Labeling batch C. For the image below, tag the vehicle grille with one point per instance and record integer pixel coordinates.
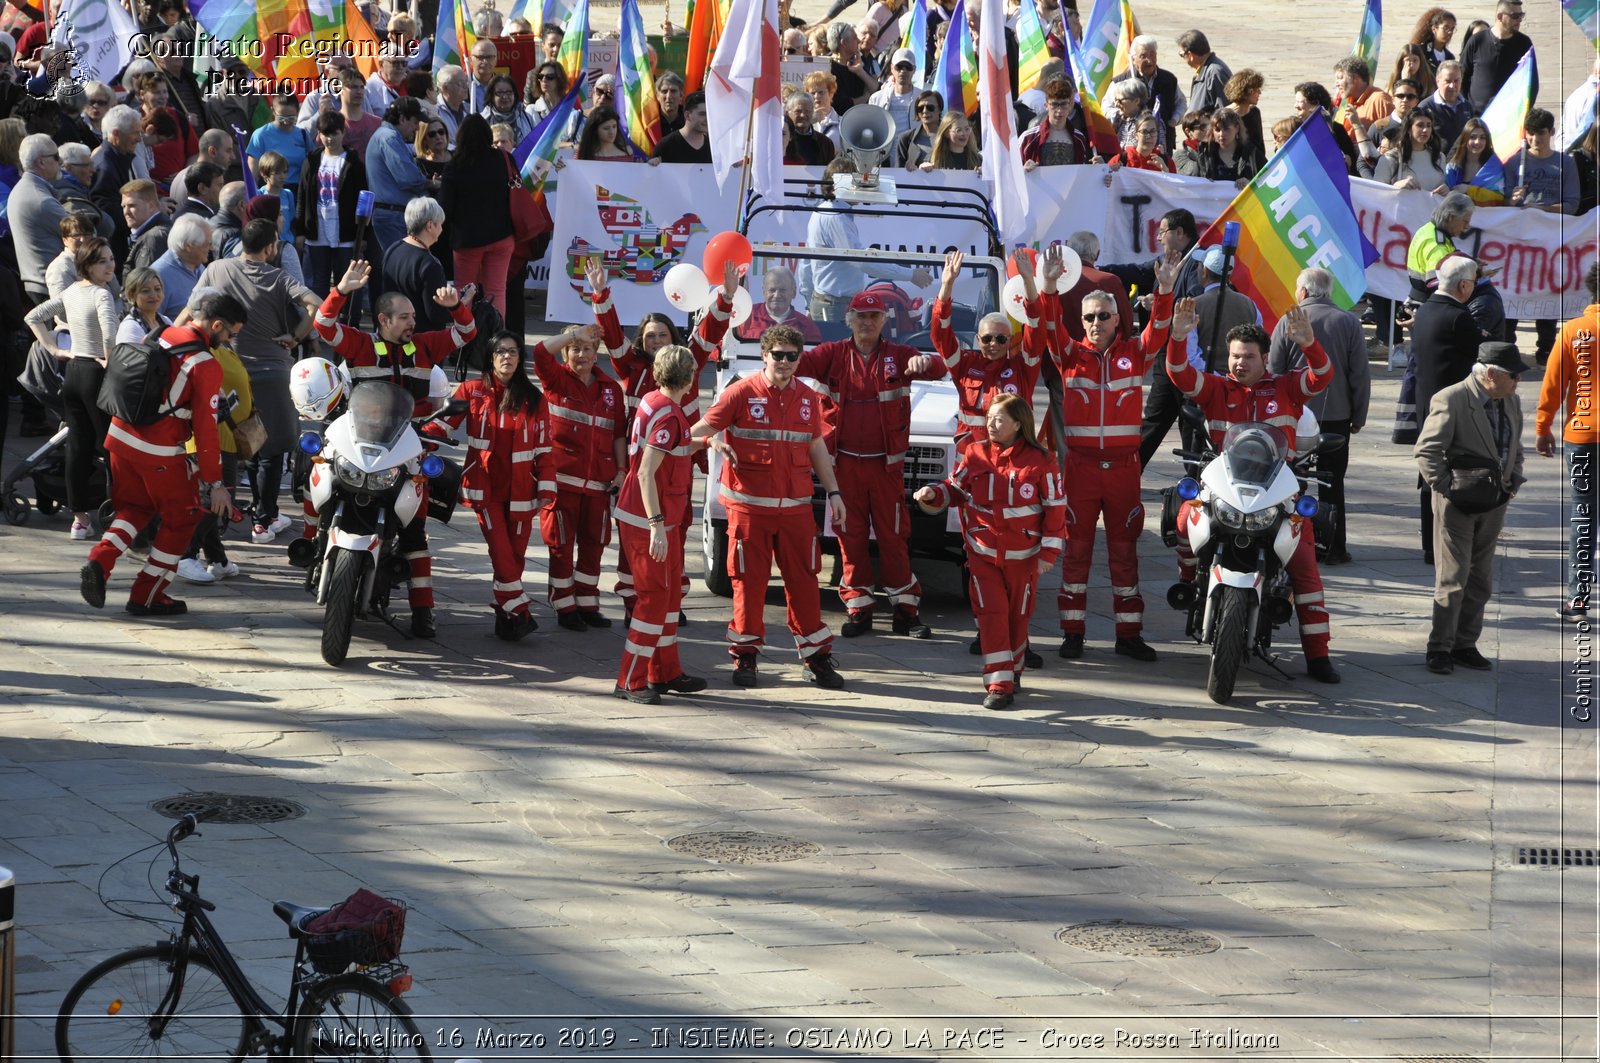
(925, 465)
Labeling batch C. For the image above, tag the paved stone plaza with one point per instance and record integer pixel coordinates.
(1348, 852)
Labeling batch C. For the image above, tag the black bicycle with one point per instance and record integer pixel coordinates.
(187, 998)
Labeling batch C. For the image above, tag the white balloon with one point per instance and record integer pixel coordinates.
(686, 287)
(1071, 269)
(1014, 298)
(742, 306)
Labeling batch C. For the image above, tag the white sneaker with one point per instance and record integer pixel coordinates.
(280, 524)
(80, 530)
(193, 570)
(262, 534)
(223, 569)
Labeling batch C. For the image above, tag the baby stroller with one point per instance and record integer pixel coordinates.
(46, 466)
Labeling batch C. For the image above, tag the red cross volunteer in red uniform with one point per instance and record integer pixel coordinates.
(1012, 517)
(995, 368)
(150, 472)
(1102, 386)
(867, 380)
(772, 442)
(589, 448)
(402, 354)
(654, 506)
(1250, 393)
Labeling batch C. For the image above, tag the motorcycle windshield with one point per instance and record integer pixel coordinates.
(379, 412)
(1254, 452)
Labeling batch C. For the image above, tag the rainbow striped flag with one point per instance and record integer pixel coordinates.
(1488, 186)
(1586, 13)
(1101, 32)
(535, 157)
(641, 114)
(252, 30)
(574, 53)
(452, 35)
(916, 38)
(1296, 213)
(1031, 50)
(1504, 117)
(956, 76)
(1102, 134)
(1371, 35)
(706, 19)
(331, 23)
(1129, 30)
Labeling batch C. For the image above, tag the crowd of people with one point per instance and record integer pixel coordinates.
(130, 216)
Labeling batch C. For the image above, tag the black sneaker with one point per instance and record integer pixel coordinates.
(975, 647)
(642, 696)
(1321, 669)
(1071, 647)
(683, 621)
(422, 623)
(514, 628)
(999, 702)
(162, 606)
(502, 627)
(1441, 663)
(572, 621)
(1338, 557)
(595, 619)
(684, 684)
(1135, 647)
(92, 584)
(1469, 657)
(744, 670)
(820, 670)
(911, 626)
(860, 623)
(1031, 660)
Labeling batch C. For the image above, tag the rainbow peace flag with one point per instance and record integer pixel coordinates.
(452, 35)
(535, 157)
(706, 19)
(641, 114)
(574, 53)
(255, 30)
(956, 76)
(1102, 31)
(1505, 113)
(1586, 13)
(338, 21)
(1031, 50)
(1371, 35)
(1102, 134)
(916, 38)
(1296, 213)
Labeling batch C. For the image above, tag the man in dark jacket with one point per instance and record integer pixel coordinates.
(146, 223)
(1489, 58)
(1444, 344)
(1167, 100)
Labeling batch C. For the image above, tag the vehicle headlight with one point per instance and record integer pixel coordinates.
(1226, 515)
(1261, 521)
(382, 481)
(349, 473)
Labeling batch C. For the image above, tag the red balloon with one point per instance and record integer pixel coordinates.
(726, 247)
(1033, 260)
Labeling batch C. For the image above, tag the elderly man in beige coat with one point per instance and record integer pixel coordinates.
(1470, 453)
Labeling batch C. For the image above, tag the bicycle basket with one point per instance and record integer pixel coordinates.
(363, 929)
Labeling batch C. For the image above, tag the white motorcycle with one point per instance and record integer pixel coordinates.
(1248, 516)
(368, 471)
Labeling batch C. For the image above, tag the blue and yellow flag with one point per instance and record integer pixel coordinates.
(1370, 37)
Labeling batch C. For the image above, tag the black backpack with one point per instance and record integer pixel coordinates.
(138, 377)
(473, 356)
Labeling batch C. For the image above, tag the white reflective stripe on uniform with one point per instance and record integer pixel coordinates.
(472, 494)
(1004, 675)
(1309, 598)
(645, 627)
(420, 581)
(565, 480)
(1074, 614)
(1131, 431)
(1019, 555)
(667, 640)
(514, 604)
(734, 636)
(1081, 383)
(1126, 592)
(600, 308)
(1123, 383)
(121, 435)
(773, 434)
(811, 645)
(1313, 629)
(1128, 618)
(477, 444)
(894, 459)
(586, 577)
(978, 548)
(161, 557)
(858, 602)
(730, 495)
(1052, 543)
(567, 413)
(639, 650)
(825, 391)
(1003, 657)
(891, 394)
(976, 420)
(1012, 512)
(1075, 588)
(522, 506)
(514, 585)
(521, 456)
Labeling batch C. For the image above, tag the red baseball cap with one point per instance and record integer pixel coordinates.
(869, 301)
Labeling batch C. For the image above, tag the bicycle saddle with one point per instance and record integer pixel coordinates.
(296, 915)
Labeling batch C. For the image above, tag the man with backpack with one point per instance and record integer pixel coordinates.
(159, 394)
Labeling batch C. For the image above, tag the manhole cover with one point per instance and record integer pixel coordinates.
(1138, 939)
(1541, 856)
(742, 847)
(229, 808)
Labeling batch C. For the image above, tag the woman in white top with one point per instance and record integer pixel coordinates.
(144, 293)
(89, 306)
(1418, 160)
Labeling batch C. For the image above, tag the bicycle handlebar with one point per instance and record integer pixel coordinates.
(178, 884)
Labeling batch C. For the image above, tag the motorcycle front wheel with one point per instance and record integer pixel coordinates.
(344, 583)
(1229, 642)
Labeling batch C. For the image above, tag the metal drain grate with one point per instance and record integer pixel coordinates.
(229, 808)
(1538, 856)
(742, 847)
(1138, 939)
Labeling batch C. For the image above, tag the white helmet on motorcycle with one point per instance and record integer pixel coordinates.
(316, 386)
(439, 387)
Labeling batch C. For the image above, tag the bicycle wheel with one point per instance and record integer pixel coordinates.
(109, 1016)
(351, 1018)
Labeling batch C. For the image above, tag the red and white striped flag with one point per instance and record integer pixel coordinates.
(748, 65)
(1002, 147)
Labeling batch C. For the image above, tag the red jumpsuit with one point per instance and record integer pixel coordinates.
(978, 379)
(507, 451)
(1102, 403)
(410, 365)
(1274, 400)
(767, 491)
(150, 471)
(634, 367)
(651, 652)
(586, 421)
(869, 434)
(1012, 517)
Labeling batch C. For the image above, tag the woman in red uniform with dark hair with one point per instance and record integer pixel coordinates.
(653, 509)
(1013, 517)
(508, 477)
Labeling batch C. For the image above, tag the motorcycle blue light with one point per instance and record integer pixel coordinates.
(1306, 507)
(432, 466)
(311, 443)
(1188, 489)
